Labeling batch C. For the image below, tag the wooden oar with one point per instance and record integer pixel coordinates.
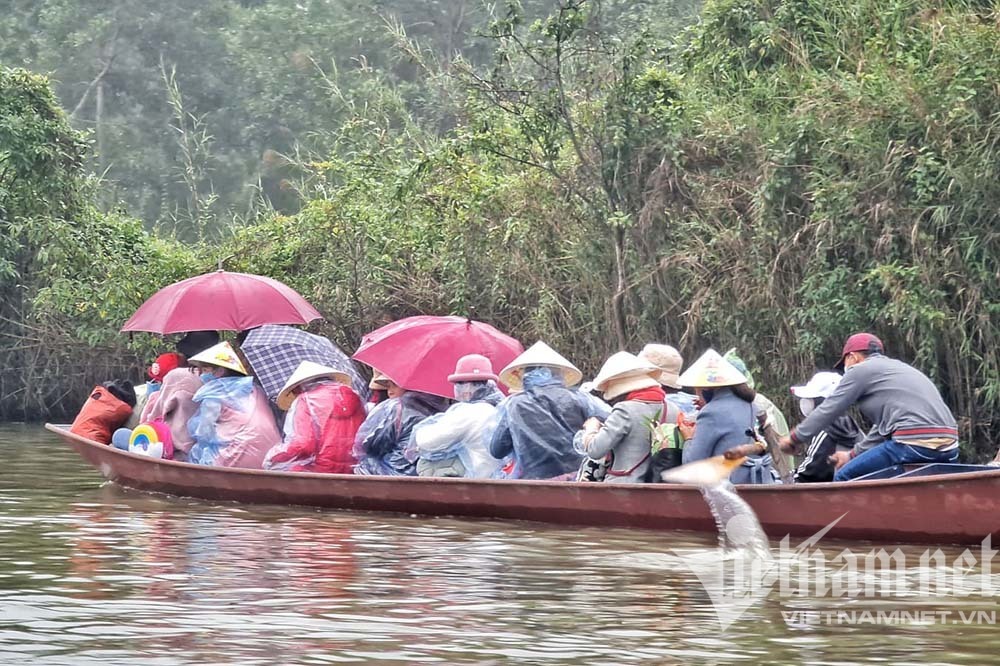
(712, 471)
(779, 458)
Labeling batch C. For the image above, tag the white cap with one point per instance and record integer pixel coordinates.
(822, 385)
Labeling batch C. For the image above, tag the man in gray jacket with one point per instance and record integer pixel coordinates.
(911, 422)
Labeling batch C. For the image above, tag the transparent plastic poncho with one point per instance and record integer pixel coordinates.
(381, 441)
(232, 392)
(302, 431)
(463, 432)
(538, 425)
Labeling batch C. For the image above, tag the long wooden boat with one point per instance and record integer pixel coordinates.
(948, 508)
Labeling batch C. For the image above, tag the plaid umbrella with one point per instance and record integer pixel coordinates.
(275, 352)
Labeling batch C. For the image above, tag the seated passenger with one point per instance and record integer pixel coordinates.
(234, 426)
(537, 424)
(456, 442)
(668, 441)
(145, 393)
(174, 402)
(912, 424)
(380, 445)
(324, 414)
(728, 419)
(841, 435)
(637, 408)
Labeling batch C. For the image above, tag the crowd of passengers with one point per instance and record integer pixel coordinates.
(639, 416)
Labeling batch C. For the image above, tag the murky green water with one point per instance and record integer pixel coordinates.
(91, 573)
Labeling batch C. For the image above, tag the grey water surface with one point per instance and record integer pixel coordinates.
(92, 573)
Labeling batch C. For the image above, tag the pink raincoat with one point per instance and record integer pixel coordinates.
(319, 431)
(174, 403)
(234, 426)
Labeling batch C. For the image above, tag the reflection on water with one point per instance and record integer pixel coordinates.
(92, 573)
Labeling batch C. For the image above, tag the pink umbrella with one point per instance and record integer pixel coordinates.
(221, 301)
(419, 353)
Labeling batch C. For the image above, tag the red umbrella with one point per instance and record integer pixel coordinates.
(419, 353)
(221, 301)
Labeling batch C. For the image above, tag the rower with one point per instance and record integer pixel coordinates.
(912, 424)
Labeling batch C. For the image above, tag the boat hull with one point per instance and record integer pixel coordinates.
(952, 508)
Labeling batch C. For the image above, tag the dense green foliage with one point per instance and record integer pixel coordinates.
(67, 271)
(194, 104)
(774, 178)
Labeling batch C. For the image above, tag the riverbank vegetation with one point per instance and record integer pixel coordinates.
(772, 175)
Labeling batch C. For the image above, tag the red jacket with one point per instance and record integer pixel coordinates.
(319, 431)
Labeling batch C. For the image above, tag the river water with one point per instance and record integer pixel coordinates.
(92, 573)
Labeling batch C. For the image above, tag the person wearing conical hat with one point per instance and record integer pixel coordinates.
(728, 418)
(637, 401)
(324, 414)
(537, 424)
(234, 425)
(668, 442)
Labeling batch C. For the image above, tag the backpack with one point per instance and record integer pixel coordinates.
(666, 446)
(101, 415)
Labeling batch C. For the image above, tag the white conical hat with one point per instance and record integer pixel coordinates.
(539, 354)
(710, 371)
(308, 370)
(222, 355)
(624, 372)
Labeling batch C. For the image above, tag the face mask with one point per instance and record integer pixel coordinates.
(806, 406)
(206, 377)
(463, 391)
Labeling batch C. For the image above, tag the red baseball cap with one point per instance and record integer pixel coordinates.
(860, 342)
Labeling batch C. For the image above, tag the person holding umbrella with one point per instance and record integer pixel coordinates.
(382, 439)
(538, 424)
(455, 442)
(234, 426)
(324, 415)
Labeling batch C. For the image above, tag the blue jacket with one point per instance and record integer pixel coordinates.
(538, 426)
(721, 425)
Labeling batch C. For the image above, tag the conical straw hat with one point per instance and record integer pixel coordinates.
(222, 355)
(624, 372)
(711, 371)
(539, 354)
(307, 370)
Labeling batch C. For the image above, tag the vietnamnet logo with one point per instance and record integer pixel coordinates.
(749, 571)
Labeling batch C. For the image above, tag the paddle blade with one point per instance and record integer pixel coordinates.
(707, 472)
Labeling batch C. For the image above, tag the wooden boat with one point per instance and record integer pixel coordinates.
(959, 508)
